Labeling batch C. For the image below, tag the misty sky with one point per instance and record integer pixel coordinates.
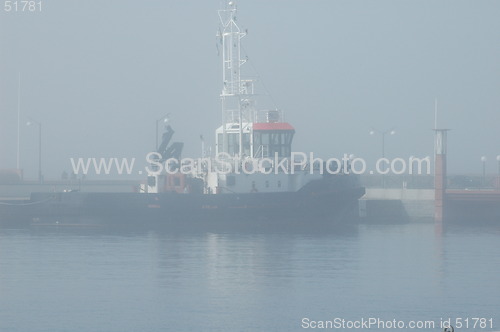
(97, 74)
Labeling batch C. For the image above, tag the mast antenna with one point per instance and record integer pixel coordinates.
(235, 91)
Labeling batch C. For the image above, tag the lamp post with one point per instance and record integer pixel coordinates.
(497, 182)
(498, 159)
(164, 119)
(30, 123)
(483, 160)
(383, 133)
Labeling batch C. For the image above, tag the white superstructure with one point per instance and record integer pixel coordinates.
(249, 137)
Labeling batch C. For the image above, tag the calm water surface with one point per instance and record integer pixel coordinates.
(87, 280)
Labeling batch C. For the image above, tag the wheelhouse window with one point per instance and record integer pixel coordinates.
(269, 142)
(233, 143)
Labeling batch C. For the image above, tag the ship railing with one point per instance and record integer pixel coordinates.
(269, 116)
(233, 116)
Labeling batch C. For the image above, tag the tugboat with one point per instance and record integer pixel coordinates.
(253, 178)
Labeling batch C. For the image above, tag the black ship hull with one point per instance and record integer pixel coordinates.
(189, 210)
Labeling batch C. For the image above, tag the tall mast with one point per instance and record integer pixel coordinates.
(235, 108)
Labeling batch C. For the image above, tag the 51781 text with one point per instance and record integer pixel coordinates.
(22, 6)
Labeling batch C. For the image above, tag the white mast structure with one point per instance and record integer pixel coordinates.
(248, 137)
(237, 104)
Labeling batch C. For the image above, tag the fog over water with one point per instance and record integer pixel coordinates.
(84, 280)
(98, 74)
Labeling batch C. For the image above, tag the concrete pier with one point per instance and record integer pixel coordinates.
(381, 205)
(23, 190)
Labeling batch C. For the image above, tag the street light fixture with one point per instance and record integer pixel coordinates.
(165, 120)
(374, 131)
(498, 159)
(32, 122)
(383, 133)
(483, 160)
